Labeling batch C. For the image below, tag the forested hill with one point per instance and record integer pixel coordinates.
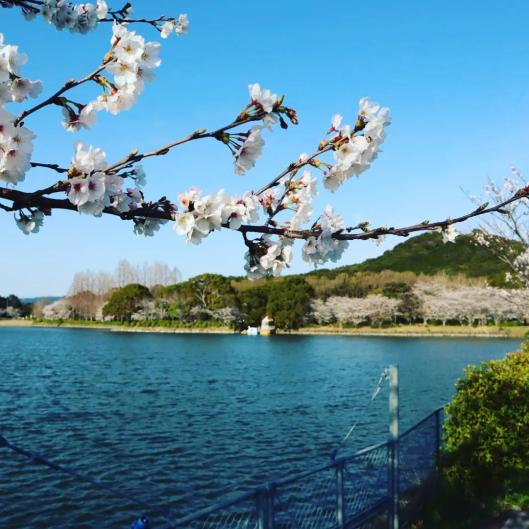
(428, 254)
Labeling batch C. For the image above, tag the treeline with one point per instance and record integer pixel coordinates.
(209, 298)
(362, 298)
(12, 307)
(421, 280)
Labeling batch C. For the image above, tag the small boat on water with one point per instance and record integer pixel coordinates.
(267, 328)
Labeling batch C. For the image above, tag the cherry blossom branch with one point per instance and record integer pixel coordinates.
(121, 16)
(22, 199)
(135, 157)
(68, 85)
(293, 167)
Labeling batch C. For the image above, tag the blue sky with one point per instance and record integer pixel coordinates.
(455, 75)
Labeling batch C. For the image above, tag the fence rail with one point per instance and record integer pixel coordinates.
(354, 492)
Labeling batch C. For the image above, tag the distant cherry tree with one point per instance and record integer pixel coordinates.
(498, 231)
(269, 219)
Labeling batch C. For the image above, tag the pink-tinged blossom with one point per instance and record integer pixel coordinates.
(73, 121)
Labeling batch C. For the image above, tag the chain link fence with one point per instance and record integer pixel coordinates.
(355, 492)
(360, 491)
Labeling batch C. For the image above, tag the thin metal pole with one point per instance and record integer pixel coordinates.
(394, 443)
(438, 430)
(265, 507)
(340, 504)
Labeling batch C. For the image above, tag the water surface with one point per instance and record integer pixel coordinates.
(179, 420)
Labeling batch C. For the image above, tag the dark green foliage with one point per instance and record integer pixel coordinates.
(396, 290)
(289, 302)
(206, 291)
(253, 302)
(12, 301)
(409, 308)
(427, 254)
(126, 301)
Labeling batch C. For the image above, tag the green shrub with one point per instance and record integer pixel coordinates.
(487, 429)
(126, 301)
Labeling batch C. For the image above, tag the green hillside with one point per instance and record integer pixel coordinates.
(427, 254)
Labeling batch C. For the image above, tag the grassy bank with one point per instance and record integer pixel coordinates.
(484, 331)
(491, 331)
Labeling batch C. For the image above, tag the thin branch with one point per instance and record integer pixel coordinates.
(135, 157)
(71, 83)
(53, 166)
(294, 166)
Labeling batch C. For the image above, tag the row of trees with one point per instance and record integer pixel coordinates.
(466, 306)
(207, 297)
(293, 302)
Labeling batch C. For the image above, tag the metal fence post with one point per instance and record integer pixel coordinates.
(438, 425)
(393, 471)
(265, 507)
(340, 504)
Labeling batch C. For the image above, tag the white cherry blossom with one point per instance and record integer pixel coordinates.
(88, 159)
(30, 223)
(264, 98)
(249, 152)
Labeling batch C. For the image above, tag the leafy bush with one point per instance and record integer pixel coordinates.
(126, 301)
(484, 466)
(487, 429)
(289, 302)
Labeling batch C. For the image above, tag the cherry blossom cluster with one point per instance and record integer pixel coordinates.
(16, 142)
(247, 147)
(319, 250)
(78, 18)
(267, 256)
(355, 148)
(298, 196)
(16, 146)
(202, 215)
(29, 223)
(179, 26)
(448, 233)
(14, 87)
(132, 62)
(92, 190)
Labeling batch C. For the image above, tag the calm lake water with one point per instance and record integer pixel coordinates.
(179, 420)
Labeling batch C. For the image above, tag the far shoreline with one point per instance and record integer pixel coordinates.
(403, 331)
